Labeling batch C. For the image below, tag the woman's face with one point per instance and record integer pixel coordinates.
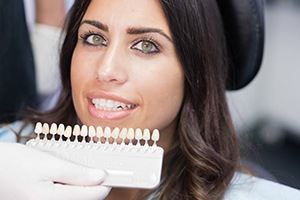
(124, 71)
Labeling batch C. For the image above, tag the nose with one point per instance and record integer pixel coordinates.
(111, 66)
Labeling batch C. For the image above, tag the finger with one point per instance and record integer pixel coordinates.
(68, 192)
(74, 174)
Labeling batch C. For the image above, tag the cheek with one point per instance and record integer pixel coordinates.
(76, 76)
(171, 98)
(165, 96)
(168, 106)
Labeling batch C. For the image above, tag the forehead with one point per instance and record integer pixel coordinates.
(127, 13)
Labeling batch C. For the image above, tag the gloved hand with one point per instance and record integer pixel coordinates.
(30, 174)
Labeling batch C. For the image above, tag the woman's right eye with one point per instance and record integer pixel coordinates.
(95, 40)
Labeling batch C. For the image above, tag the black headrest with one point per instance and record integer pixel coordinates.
(244, 28)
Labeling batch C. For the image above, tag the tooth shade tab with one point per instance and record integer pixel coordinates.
(155, 135)
(99, 131)
(45, 129)
(138, 136)
(53, 129)
(107, 132)
(61, 129)
(146, 135)
(115, 133)
(76, 130)
(68, 132)
(84, 131)
(92, 131)
(38, 128)
(130, 134)
(123, 134)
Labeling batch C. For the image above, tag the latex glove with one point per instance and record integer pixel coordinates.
(30, 174)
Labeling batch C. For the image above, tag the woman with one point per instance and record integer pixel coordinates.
(170, 73)
(161, 64)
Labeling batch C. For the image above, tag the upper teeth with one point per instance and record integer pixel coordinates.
(106, 104)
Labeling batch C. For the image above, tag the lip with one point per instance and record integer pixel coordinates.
(106, 115)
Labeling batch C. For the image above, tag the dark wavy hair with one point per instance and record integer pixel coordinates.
(204, 155)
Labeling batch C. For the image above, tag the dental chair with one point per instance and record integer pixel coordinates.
(245, 33)
(17, 77)
(244, 28)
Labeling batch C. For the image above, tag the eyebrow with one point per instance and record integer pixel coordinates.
(141, 30)
(131, 30)
(97, 24)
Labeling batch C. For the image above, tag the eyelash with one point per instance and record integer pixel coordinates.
(85, 36)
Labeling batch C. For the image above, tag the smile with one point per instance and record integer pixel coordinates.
(111, 105)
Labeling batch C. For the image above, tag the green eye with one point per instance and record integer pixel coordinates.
(146, 47)
(96, 40)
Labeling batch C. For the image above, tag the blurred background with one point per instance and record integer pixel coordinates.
(266, 113)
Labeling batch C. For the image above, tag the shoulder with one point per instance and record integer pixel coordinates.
(8, 132)
(246, 187)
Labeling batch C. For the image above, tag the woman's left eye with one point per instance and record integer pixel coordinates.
(146, 47)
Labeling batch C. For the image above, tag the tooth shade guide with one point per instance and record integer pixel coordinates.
(138, 166)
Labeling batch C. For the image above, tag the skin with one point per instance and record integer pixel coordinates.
(125, 53)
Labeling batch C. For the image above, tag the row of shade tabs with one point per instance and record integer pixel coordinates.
(96, 134)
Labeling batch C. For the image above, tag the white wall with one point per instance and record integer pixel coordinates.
(275, 92)
(30, 10)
